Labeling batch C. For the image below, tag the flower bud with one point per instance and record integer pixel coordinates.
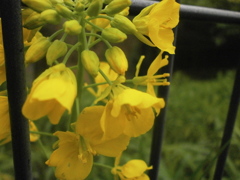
(37, 50)
(117, 60)
(56, 50)
(64, 11)
(123, 24)
(38, 5)
(33, 21)
(69, 2)
(116, 6)
(94, 8)
(90, 62)
(79, 7)
(50, 16)
(107, 1)
(72, 27)
(113, 35)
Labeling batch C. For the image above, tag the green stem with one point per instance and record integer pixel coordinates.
(103, 165)
(93, 85)
(42, 147)
(55, 34)
(42, 133)
(101, 16)
(94, 43)
(70, 52)
(100, 37)
(63, 37)
(105, 77)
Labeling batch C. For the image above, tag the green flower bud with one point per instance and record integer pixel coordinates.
(69, 2)
(72, 27)
(116, 6)
(117, 60)
(94, 8)
(90, 62)
(37, 50)
(113, 35)
(33, 21)
(123, 24)
(79, 7)
(64, 11)
(56, 50)
(38, 5)
(50, 16)
(107, 1)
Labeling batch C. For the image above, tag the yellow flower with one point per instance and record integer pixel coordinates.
(130, 113)
(132, 170)
(151, 80)
(52, 93)
(5, 130)
(74, 157)
(157, 21)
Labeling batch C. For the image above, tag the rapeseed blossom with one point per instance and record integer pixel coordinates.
(157, 21)
(52, 93)
(133, 169)
(5, 129)
(151, 79)
(129, 112)
(73, 158)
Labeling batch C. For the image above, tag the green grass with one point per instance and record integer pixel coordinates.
(194, 124)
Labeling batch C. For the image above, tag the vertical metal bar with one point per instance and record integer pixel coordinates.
(15, 72)
(158, 129)
(229, 126)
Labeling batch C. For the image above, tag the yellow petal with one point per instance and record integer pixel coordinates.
(33, 137)
(139, 123)
(157, 64)
(88, 126)
(133, 97)
(5, 131)
(161, 37)
(66, 158)
(112, 125)
(134, 168)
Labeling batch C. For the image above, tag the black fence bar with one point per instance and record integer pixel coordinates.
(196, 13)
(159, 124)
(229, 126)
(15, 71)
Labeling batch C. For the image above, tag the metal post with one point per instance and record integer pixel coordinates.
(229, 126)
(15, 72)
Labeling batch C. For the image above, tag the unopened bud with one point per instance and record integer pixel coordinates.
(72, 27)
(107, 1)
(117, 60)
(63, 11)
(90, 62)
(123, 24)
(50, 16)
(116, 6)
(79, 7)
(38, 5)
(113, 35)
(56, 50)
(94, 8)
(69, 2)
(37, 50)
(33, 21)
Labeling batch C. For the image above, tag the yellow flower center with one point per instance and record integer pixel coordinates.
(132, 112)
(85, 150)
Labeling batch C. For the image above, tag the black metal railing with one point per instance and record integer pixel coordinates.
(14, 57)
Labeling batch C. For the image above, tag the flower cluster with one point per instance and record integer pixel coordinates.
(117, 112)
